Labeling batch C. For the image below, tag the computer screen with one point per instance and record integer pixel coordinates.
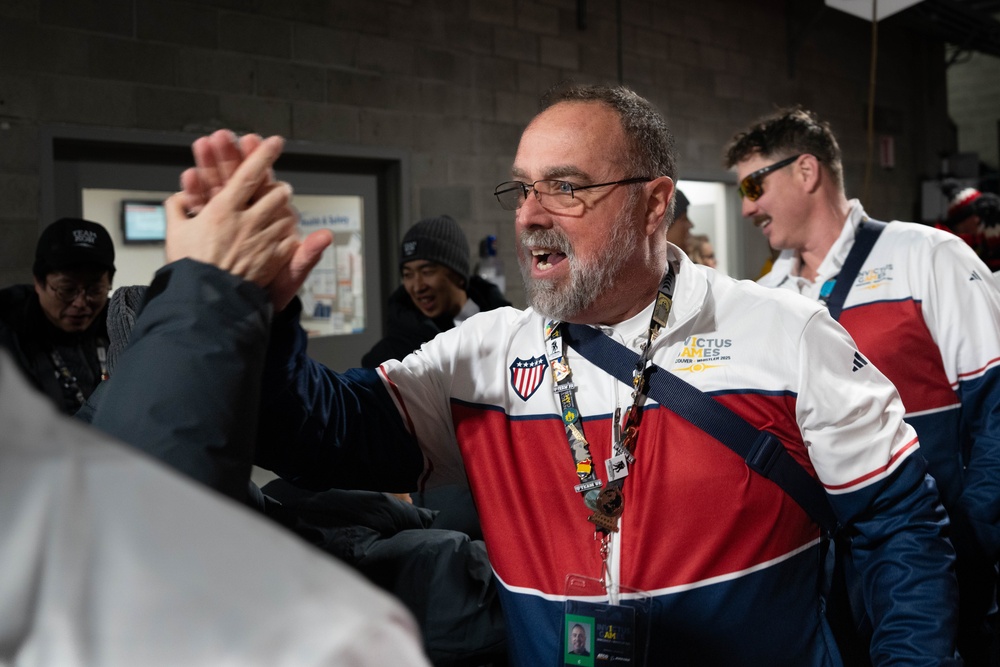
(143, 221)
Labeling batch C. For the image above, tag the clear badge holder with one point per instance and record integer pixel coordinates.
(604, 626)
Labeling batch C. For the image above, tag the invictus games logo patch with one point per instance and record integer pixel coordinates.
(526, 376)
(875, 277)
(702, 353)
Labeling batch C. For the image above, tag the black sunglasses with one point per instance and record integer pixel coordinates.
(752, 185)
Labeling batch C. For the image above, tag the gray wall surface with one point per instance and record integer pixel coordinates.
(452, 83)
(974, 105)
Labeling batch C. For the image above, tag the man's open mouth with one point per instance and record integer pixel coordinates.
(545, 258)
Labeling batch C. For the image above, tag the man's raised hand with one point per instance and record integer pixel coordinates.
(247, 226)
(221, 159)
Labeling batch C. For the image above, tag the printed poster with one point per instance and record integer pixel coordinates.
(333, 297)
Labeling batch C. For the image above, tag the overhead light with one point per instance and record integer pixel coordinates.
(863, 8)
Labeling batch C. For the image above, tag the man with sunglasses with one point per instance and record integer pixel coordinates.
(921, 306)
(599, 504)
(57, 329)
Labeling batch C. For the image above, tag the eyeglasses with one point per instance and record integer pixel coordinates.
(558, 194)
(69, 294)
(752, 185)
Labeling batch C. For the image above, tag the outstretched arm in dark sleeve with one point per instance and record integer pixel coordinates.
(322, 429)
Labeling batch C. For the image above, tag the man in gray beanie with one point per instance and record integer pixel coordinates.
(437, 294)
(437, 291)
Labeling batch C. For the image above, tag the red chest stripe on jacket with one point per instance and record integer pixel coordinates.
(895, 338)
(697, 518)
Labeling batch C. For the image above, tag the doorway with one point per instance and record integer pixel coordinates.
(356, 193)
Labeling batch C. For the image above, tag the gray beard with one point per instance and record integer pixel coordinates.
(588, 280)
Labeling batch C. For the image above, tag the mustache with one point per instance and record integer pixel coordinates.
(545, 238)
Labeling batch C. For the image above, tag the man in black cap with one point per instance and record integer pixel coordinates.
(437, 293)
(57, 331)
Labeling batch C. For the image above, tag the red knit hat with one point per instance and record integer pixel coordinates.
(965, 202)
(960, 203)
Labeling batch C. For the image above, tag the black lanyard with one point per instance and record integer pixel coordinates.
(864, 240)
(69, 381)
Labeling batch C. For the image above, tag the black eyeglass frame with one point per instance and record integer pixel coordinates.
(524, 187)
(91, 293)
(753, 192)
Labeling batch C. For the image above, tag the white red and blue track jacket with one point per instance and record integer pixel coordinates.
(733, 564)
(925, 311)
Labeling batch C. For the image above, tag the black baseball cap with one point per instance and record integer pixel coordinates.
(71, 242)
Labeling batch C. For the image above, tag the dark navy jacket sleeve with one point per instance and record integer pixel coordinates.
(195, 411)
(896, 530)
(981, 498)
(321, 429)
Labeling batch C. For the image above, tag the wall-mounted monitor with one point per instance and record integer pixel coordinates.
(143, 221)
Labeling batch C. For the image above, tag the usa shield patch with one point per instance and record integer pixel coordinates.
(526, 376)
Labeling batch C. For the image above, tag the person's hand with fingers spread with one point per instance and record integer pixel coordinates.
(217, 159)
(251, 238)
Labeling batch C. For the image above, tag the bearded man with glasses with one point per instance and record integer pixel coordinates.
(600, 503)
(921, 306)
(57, 328)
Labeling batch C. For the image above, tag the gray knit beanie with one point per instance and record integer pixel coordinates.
(123, 308)
(438, 240)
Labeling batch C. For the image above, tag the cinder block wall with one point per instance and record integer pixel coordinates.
(974, 105)
(451, 81)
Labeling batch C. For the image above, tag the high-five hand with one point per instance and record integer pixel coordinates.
(219, 159)
(252, 239)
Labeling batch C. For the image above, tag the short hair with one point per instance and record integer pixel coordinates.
(649, 142)
(784, 133)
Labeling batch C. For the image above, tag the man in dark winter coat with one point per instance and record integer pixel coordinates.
(437, 291)
(206, 431)
(55, 329)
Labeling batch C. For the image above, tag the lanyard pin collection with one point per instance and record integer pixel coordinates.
(605, 500)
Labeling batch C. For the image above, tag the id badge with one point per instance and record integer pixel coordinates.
(599, 631)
